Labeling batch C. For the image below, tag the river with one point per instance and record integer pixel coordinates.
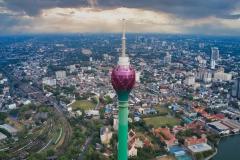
(228, 148)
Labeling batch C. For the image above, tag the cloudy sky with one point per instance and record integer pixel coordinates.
(210, 17)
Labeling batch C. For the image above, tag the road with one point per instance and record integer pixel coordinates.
(86, 147)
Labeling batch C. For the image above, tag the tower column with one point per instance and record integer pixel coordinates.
(123, 130)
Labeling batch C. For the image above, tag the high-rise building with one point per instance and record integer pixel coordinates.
(49, 81)
(190, 80)
(222, 76)
(201, 45)
(138, 76)
(72, 68)
(212, 64)
(234, 74)
(60, 74)
(235, 88)
(215, 54)
(167, 58)
(207, 77)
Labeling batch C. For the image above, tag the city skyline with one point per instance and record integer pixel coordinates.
(184, 17)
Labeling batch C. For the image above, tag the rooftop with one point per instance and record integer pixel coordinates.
(199, 147)
(2, 136)
(8, 128)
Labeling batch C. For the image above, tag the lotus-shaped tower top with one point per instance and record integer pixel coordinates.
(123, 76)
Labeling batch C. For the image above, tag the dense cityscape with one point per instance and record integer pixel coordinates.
(57, 101)
(119, 80)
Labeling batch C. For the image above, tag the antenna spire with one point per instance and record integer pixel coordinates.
(123, 38)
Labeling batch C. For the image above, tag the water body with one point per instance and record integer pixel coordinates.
(228, 148)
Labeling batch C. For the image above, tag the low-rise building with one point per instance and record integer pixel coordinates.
(132, 151)
(165, 136)
(105, 134)
(9, 128)
(12, 106)
(92, 112)
(219, 127)
(2, 136)
(194, 140)
(201, 147)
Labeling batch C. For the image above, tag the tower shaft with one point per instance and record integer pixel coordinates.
(123, 130)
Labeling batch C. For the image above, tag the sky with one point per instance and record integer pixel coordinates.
(204, 17)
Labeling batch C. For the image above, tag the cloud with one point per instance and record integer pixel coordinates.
(233, 16)
(181, 8)
(159, 16)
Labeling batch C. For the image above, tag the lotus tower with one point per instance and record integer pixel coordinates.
(123, 81)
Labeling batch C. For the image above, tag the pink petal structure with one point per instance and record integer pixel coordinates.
(123, 78)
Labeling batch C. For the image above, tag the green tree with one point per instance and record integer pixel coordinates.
(37, 123)
(199, 156)
(27, 116)
(3, 155)
(14, 111)
(94, 100)
(3, 116)
(180, 103)
(37, 156)
(50, 152)
(63, 158)
(4, 131)
(25, 107)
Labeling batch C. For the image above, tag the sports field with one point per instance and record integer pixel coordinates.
(162, 121)
(83, 104)
(161, 109)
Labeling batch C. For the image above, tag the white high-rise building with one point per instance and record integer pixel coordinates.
(138, 76)
(207, 77)
(201, 45)
(222, 76)
(60, 74)
(215, 54)
(167, 59)
(190, 80)
(72, 68)
(212, 64)
(49, 81)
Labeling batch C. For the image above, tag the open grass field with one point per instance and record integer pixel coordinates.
(15, 123)
(162, 121)
(161, 109)
(167, 158)
(83, 104)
